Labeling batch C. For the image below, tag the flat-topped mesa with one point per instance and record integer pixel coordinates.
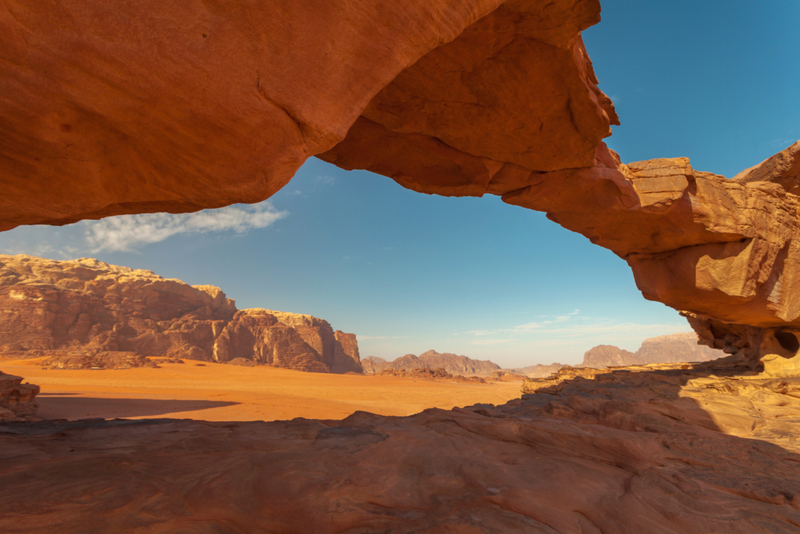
(86, 313)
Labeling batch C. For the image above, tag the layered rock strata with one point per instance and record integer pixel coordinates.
(450, 363)
(676, 448)
(17, 400)
(85, 314)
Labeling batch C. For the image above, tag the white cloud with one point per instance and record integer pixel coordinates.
(127, 232)
(480, 332)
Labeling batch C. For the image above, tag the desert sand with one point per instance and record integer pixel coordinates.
(218, 392)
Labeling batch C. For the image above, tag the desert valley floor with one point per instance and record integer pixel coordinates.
(216, 392)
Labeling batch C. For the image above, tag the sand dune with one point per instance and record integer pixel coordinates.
(216, 392)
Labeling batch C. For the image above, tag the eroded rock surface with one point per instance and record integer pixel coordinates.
(86, 313)
(722, 251)
(676, 448)
(450, 363)
(289, 340)
(17, 400)
(161, 107)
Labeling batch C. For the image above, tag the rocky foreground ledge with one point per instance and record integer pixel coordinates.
(708, 447)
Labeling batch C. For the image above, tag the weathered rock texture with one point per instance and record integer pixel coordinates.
(17, 400)
(287, 340)
(673, 348)
(86, 313)
(153, 106)
(720, 250)
(677, 448)
(450, 363)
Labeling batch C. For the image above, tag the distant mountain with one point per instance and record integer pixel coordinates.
(609, 356)
(452, 363)
(538, 370)
(673, 348)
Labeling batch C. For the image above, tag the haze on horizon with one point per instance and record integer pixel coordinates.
(409, 272)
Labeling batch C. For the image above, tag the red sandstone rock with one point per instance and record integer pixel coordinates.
(155, 106)
(677, 448)
(86, 314)
(17, 400)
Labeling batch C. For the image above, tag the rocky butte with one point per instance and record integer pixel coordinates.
(159, 106)
(88, 314)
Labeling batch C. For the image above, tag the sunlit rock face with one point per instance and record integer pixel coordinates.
(86, 313)
(723, 251)
(289, 340)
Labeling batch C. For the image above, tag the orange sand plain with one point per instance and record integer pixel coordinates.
(216, 392)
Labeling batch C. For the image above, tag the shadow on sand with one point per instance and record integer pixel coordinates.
(67, 406)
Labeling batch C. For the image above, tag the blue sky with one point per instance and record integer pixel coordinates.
(409, 272)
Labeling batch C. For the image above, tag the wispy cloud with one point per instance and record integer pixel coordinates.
(480, 332)
(128, 232)
(570, 328)
(489, 341)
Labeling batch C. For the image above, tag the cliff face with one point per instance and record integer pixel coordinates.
(87, 313)
(451, 363)
(287, 340)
